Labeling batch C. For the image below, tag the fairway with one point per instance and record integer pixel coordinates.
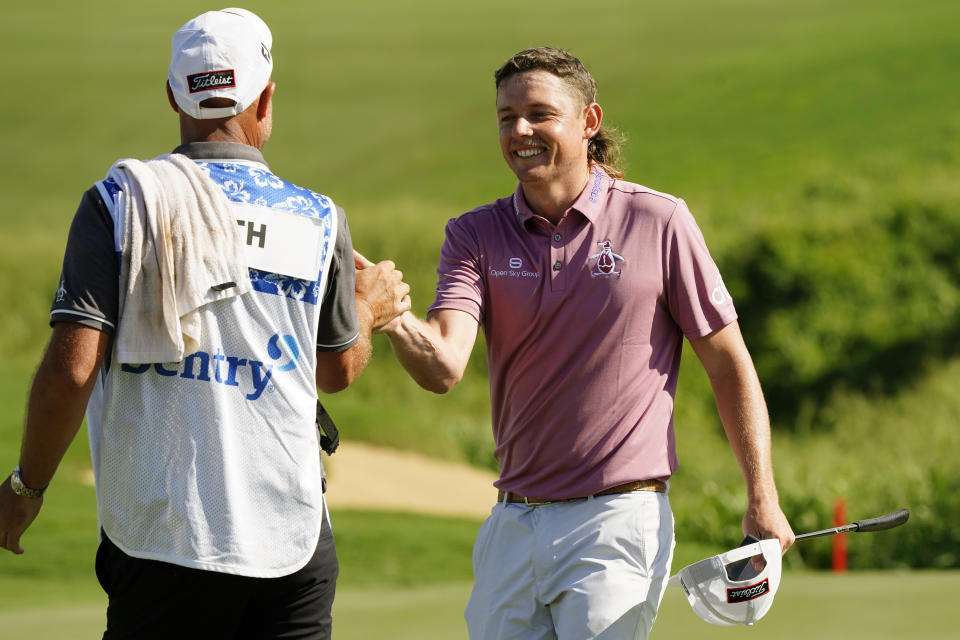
(878, 606)
(816, 142)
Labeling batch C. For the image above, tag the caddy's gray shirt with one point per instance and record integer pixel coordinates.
(88, 291)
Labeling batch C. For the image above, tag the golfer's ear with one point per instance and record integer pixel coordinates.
(593, 115)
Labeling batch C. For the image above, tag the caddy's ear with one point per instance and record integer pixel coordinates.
(263, 105)
(171, 99)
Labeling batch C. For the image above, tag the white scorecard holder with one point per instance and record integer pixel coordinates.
(280, 241)
(720, 599)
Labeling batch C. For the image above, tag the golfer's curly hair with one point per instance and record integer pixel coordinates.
(604, 147)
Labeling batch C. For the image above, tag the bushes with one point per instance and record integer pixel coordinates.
(881, 454)
(851, 309)
(862, 304)
(930, 538)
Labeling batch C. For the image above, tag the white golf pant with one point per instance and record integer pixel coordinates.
(592, 568)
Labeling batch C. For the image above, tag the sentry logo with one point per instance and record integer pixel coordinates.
(748, 593)
(207, 80)
(277, 350)
(231, 371)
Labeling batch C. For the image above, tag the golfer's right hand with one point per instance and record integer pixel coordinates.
(16, 514)
(381, 287)
(764, 521)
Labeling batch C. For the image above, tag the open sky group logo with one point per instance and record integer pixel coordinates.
(515, 269)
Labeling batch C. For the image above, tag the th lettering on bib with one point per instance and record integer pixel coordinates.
(281, 242)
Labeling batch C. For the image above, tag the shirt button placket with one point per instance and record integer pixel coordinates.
(556, 258)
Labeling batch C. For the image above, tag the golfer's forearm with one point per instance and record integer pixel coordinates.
(424, 353)
(743, 413)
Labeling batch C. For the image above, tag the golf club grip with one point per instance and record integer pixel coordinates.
(880, 523)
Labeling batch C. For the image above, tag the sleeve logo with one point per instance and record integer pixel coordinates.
(720, 295)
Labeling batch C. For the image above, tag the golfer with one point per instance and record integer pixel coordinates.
(585, 286)
(203, 300)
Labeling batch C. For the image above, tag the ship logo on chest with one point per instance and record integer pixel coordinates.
(606, 261)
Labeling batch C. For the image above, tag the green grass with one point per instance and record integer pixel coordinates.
(388, 548)
(827, 607)
(746, 108)
(856, 605)
(777, 118)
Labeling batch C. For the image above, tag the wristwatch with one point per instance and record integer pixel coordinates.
(16, 483)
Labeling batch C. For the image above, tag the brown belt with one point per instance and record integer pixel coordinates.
(639, 485)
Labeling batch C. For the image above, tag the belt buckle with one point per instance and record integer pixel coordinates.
(533, 503)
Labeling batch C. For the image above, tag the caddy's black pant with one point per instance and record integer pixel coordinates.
(150, 599)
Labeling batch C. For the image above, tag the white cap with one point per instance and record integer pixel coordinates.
(220, 54)
(725, 600)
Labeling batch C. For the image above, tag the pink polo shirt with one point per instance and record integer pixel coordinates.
(584, 323)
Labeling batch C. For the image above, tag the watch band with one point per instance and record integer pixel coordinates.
(19, 488)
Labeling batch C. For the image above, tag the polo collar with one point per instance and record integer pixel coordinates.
(589, 203)
(220, 151)
(593, 198)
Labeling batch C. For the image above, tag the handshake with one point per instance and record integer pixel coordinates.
(381, 294)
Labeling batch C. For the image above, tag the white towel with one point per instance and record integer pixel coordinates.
(181, 248)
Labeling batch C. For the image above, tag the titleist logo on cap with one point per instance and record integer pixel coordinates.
(748, 593)
(211, 80)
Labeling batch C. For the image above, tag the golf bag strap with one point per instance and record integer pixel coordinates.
(329, 434)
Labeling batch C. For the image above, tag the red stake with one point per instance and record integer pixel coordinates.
(840, 540)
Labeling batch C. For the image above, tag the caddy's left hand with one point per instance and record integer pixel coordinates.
(17, 513)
